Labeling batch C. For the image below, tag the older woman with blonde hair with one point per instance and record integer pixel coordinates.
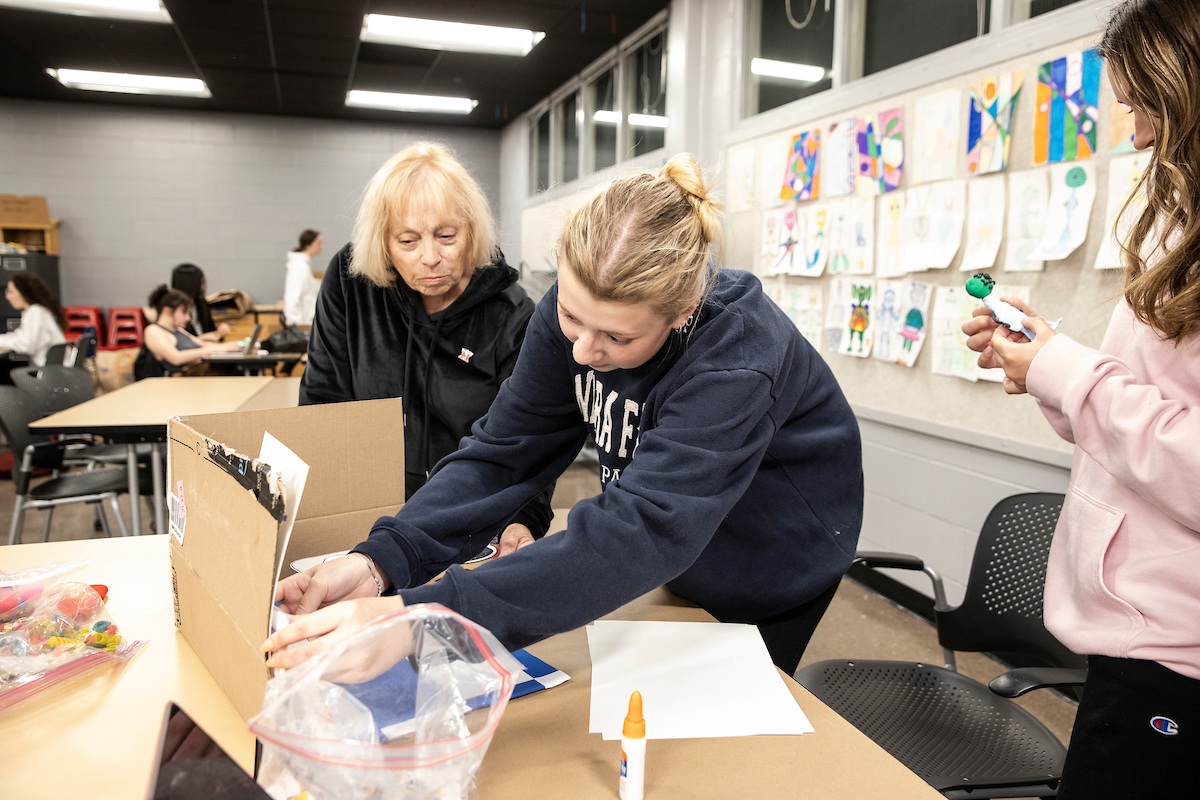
(731, 461)
(422, 305)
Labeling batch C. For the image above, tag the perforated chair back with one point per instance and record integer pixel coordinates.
(58, 353)
(1001, 612)
(17, 410)
(54, 387)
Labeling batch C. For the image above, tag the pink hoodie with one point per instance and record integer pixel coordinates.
(1124, 572)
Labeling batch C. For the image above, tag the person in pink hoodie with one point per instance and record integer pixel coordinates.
(1123, 581)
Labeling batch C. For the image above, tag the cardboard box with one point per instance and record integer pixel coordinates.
(223, 570)
(18, 209)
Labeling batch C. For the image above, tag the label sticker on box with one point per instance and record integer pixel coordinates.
(177, 512)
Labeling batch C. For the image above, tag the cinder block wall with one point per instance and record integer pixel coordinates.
(929, 496)
(140, 190)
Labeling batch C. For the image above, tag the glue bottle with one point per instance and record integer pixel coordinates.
(633, 751)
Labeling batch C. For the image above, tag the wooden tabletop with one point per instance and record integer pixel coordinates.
(140, 410)
(106, 724)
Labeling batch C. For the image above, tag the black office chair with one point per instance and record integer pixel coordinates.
(963, 739)
(60, 353)
(93, 486)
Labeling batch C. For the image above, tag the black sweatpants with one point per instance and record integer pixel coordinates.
(1136, 734)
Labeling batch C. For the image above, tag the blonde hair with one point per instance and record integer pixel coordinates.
(423, 174)
(1153, 47)
(646, 238)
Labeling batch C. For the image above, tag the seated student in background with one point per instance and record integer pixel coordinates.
(42, 320)
(167, 346)
(189, 279)
(422, 306)
(300, 285)
(731, 461)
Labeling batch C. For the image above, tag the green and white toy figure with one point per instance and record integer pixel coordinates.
(980, 285)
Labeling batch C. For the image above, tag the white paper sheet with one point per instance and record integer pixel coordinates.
(697, 679)
(289, 470)
(839, 175)
(1072, 192)
(985, 223)
(740, 179)
(1027, 196)
(935, 136)
(1123, 176)
(890, 241)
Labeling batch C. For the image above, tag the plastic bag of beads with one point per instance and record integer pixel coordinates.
(403, 709)
(52, 630)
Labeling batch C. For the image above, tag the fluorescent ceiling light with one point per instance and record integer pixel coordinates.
(608, 117)
(129, 84)
(434, 34)
(805, 73)
(647, 121)
(137, 10)
(411, 102)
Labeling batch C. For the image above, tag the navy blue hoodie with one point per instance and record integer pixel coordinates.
(732, 471)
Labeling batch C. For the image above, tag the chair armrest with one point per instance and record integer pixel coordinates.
(1017, 682)
(893, 560)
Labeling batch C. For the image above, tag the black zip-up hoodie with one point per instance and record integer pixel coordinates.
(370, 342)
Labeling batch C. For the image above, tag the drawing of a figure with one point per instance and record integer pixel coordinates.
(860, 314)
(787, 246)
(886, 317)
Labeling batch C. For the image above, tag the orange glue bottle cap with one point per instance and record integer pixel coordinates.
(635, 726)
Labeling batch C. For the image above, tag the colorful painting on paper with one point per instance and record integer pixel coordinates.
(1068, 96)
(990, 122)
(848, 321)
(780, 241)
(808, 260)
(901, 320)
(880, 151)
(800, 180)
(1120, 128)
(841, 159)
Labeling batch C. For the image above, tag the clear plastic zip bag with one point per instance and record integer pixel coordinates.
(404, 708)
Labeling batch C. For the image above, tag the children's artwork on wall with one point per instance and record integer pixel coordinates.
(1068, 95)
(900, 320)
(989, 124)
(852, 236)
(880, 152)
(1072, 192)
(848, 322)
(781, 245)
(985, 223)
(952, 306)
(1120, 128)
(768, 244)
(802, 302)
(1124, 174)
(812, 223)
(889, 252)
(773, 161)
(935, 136)
(1028, 194)
(739, 179)
(800, 178)
(838, 176)
(934, 225)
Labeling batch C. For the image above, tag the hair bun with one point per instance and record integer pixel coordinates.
(683, 171)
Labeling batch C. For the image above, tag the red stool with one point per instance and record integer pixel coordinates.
(80, 317)
(125, 326)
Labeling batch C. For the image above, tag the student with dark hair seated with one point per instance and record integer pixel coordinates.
(167, 346)
(42, 321)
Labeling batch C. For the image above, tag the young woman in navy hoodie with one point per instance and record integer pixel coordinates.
(731, 461)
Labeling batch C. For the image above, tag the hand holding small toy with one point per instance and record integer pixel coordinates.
(980, 285)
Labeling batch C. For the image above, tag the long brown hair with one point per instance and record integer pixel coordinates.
(37, 293)
(1153, 47)
(646, 238)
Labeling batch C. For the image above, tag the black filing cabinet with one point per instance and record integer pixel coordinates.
(10, 264)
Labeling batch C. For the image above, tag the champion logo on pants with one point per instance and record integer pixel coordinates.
(1164, 725)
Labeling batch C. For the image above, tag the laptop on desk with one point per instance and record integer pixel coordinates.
(251, 348)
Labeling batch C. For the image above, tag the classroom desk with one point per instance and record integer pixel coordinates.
(254, 365)
(138, 413)
(105, 725)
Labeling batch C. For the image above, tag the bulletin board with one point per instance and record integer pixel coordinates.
(1071, 288)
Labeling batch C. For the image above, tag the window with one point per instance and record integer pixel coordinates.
(1027, 9)
(602, 102)
(791, 51)
(539, 154)
(568, 122)
(900, 32)
(646, 88)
